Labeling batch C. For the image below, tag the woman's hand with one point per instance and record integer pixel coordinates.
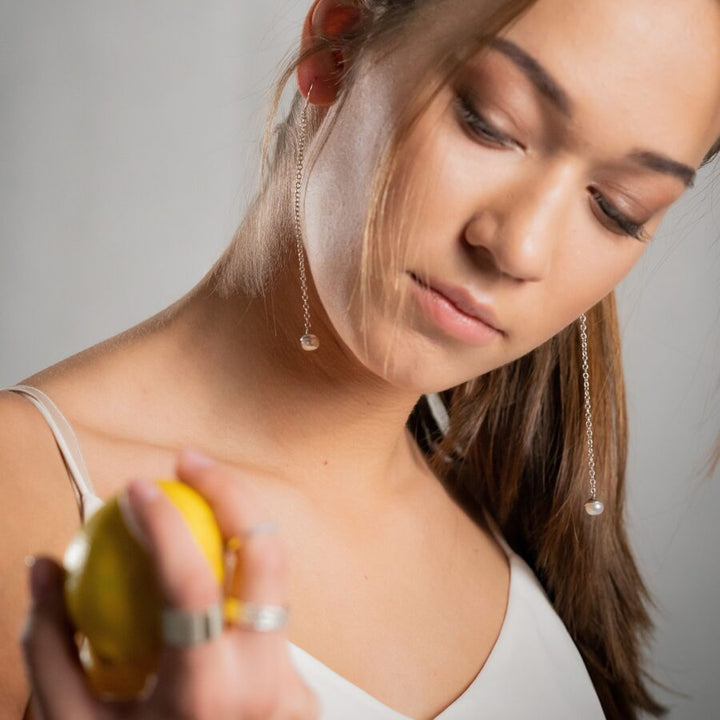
(241, 674)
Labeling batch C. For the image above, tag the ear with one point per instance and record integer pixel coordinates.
(331, 20)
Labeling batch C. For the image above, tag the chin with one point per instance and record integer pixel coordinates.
(413, 362)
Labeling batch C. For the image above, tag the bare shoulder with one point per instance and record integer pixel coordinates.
(37, 515)
(31, 465)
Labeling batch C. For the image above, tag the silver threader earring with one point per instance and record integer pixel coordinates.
(593, 506)
(308, 341)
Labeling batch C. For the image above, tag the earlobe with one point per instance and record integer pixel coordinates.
(332, 21)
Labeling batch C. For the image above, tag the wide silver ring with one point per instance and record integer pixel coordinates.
(183, 628)
(255, 616)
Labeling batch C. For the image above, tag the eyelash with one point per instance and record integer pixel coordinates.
(628, 226)
(485, 132)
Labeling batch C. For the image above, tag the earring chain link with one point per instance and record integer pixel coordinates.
(298, 229)
(588, 408)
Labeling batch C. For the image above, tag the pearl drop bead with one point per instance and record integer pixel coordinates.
(309, 342)
(594, 507)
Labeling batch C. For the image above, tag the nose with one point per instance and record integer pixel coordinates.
(518, 225)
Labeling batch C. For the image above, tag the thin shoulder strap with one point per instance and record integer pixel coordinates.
(439, 412)
(88, 501)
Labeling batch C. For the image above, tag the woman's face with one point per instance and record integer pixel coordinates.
(543, 172)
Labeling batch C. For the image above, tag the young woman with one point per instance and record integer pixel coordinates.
(408, 359)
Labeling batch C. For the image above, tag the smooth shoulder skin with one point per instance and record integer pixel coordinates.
(37, 516)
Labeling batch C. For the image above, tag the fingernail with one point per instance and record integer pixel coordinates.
(40, 579)
(192, 459)
(142, 490)
(139, 492)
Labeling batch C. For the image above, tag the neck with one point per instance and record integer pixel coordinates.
(316, 419)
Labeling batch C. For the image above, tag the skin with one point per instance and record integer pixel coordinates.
(515, 225)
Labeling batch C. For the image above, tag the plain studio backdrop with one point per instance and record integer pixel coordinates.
(130, 139)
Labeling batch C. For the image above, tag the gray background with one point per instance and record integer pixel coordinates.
(129, 146)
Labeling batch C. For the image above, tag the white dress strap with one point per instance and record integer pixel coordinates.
(87, 499)
(439, 412)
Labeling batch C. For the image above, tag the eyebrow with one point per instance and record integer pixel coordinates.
(548, 86)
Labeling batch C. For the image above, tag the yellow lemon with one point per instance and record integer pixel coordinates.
(112, 593)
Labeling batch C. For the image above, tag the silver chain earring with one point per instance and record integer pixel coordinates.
(593, 506)
(308, 341)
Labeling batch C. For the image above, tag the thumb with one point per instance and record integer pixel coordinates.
(51, 659)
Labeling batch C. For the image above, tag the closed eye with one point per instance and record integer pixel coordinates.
(480, 127)
(626, 225)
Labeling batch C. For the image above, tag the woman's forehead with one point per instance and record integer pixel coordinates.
(632, 70)
(652, 65)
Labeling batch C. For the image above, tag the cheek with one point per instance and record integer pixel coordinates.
(334, 260)
(333, 218)
(442, 195)
(587, 267)
(583, 273)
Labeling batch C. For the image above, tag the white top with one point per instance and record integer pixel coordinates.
(534, 669)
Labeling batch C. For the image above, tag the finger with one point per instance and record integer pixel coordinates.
(186, 585)
(259, 656)
(184, 576)
(262, 568)
(261, 555)
(233, 505)
(51, 659)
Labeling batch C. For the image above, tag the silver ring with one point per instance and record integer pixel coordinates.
(255, 616)
(183, 628)
(269, 526)
(234, 543)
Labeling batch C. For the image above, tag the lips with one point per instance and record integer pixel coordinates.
(462, 299)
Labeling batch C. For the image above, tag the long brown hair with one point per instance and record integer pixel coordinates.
(520, 428)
